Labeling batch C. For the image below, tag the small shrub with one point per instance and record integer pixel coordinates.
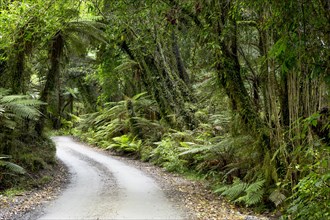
(311, 200)
(125, 144)
(166, 154)
(145, 153)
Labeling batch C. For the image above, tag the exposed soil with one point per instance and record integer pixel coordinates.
(192, 197)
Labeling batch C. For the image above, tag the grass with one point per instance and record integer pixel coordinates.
(13, 192)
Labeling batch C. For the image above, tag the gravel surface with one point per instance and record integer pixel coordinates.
(20, 206)
(192, 197)
(103, 187)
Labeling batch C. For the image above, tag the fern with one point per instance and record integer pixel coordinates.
(126, 65)
(125, 144)
(114, 120)
(11, 166)
(14, 108)
(232, 191)
(254, 193)
(241, 192)
(277, 197)
(197, 149)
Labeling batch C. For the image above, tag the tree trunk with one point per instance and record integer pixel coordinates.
(284, 99)
(179, 62)
(158, 81)
(52, 78)
(17, 79)
(229, 71)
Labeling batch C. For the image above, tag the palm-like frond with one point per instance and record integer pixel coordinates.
(11, 166)
(89, 29)
(125, 65)
(17, 107)
(248, 193)
(277, 197)
(233, 191)
(254, 193)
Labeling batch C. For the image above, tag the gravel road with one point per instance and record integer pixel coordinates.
(97, 184)
(105, 188)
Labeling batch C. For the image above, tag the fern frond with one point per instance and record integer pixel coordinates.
(4, 92)
(8, 123)
(20, 99)
(14, 108)
(248, 193)
(233, 191)
(254, 193)
(28, 102)
(251, 198)
(2, 110)
(196, 150)
(139, 96)
(125, 65)
(256, 186)
(277, 197)
(14, 167)
(11, 166)
(89, 29)
(23, 111)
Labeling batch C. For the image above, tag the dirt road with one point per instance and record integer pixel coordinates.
(105, 188)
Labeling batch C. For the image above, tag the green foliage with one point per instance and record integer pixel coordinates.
(234, 90)
(112, 127)
(21, 148)
(14, 109)
(13, 192)
(166, 154)
(311, 197)
(17, 117)
(32, 162)
(125, 144)
(12, 167)
(241, 192)
(277, 197)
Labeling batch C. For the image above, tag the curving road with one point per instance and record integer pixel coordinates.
(105, 188)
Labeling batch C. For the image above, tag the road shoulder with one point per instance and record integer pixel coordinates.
(25, 205)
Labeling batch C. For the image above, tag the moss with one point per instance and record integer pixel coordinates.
(33, 153)
(45, 179)
(13, 192)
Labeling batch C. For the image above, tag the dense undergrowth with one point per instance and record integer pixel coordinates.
(235, 92)
(234, 165)
(23, 152)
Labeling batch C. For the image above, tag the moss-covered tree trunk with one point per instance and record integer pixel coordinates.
(17, 81)
(167, 88)
(229, 72)
(56, 51)
(179, 62)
